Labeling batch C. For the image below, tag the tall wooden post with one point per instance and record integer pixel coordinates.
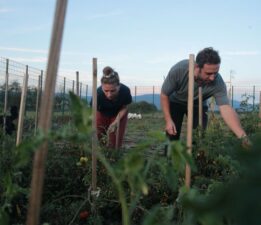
(46, 110)
(190, 117)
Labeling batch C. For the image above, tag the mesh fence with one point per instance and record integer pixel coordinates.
(150, 94)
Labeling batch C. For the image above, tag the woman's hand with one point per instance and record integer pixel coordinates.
(112, 128)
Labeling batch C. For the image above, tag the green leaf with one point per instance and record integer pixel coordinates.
(81, 114)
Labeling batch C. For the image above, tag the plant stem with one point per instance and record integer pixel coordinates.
(117, 182)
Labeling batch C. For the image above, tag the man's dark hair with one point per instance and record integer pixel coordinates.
(207, 56)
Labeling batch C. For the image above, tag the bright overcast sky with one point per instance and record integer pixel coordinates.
(139, 39)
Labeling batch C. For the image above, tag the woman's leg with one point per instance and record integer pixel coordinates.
(113, 135)
(102, 124)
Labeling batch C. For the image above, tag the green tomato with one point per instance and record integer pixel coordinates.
(83, 160)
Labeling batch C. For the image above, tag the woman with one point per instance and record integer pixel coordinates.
(112, 100)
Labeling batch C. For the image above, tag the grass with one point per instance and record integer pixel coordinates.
(138, 129)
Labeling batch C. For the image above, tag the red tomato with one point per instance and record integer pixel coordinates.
(84, 214)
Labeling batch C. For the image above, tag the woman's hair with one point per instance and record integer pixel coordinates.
(207, 56)
(110, 76)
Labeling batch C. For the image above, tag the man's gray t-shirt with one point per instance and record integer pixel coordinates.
(176, 86)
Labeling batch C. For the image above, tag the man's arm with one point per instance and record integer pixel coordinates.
(170, 126)
(231, 119)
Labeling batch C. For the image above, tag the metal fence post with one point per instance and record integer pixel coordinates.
(254, 96)
(153, 95)
(135, 93)
(63, 101)
(260, 108)
(87, 93)
(6, 92)
(37, 104)
(77, 83)
(80, 90)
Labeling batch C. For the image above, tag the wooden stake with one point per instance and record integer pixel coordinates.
(22, 109)
(200, 107)
(190, 117)
(94, 116)
(46, 113)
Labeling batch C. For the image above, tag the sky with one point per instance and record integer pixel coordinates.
(141, 40)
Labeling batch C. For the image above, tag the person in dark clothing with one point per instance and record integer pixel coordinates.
(113, 98)
(9, 120)
(174, 94)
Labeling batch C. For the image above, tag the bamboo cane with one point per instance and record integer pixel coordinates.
(45, 113)
(94, 115)
(190, 117)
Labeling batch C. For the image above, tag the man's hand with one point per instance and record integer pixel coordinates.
(245, 142)
(171, 128)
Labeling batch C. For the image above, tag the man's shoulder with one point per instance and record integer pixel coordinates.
(180, 66)
(219, 80)
(179, 70)
(182, 63)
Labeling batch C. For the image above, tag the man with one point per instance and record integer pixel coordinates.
(174, 94)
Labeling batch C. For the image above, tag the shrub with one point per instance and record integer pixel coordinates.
(142, 107)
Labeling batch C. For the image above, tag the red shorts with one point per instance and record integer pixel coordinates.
(102, 124)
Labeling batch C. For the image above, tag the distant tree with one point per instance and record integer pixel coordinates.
(14, 94)
(142, 107)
